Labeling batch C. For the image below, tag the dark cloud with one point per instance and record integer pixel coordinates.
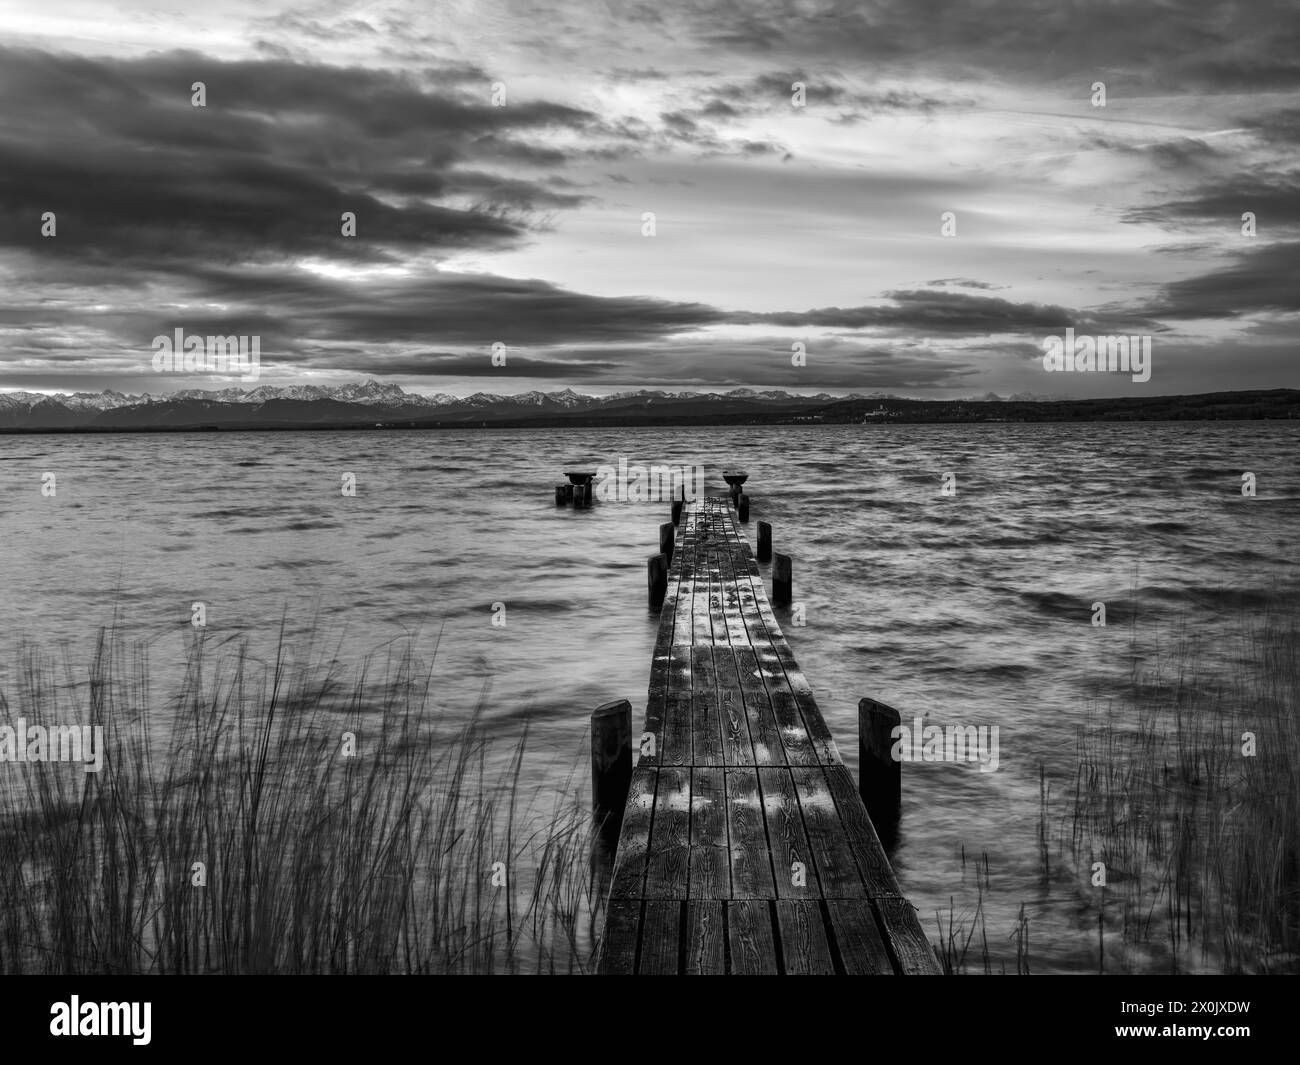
(135, 173)
(1274, 198)
(927, 311)
(1265, 278)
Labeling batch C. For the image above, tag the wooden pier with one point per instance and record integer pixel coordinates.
(744, 846)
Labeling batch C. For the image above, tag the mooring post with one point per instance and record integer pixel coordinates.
(559, 495)
(677, 511)
(782, 583)
(666, 533)
(880, 775)
(611, 765)
(656, 569)
(582, 495)
(568, 492)
(742, 508)
(764, 542)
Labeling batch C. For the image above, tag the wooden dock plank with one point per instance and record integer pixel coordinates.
(764, 732)
(792, 863)
(710, 857)
(749, 938)
(907, 943)
(628, 879)
(737, 746)
(705, 938)
(837, 868)
(873, 865)
(661, 938)
(619, 941)
(805, 951)
(861, 950)
(751, 861)
(677, 730)
(668, 865)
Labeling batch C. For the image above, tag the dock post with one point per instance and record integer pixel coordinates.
(559, 495)
(656, 570)
(764, 541)
(666, 532)
(880, 775)
(677, 511)
(611, 766)
(579, 496)
(568, 493)
(782, 582)
(742, 508)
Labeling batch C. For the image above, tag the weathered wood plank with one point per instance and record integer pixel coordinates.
(903, 936)
(678, 728)
(764, 732)
(792, 865)
(737, 747)
(837, 868)
(618, 942)
(749, 938)
(795, 744)
(751, 862)
(707, 739)
(677, 667)
(805, 950)
(661, 939)
(710, 857)
(668, 866)
(705, 939)
(873, 865)
(862, 951)
(628, 880)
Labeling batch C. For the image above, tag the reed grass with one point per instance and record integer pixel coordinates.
(418, 854)
(1200, 838)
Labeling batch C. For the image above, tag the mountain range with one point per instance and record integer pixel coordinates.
(375, 404)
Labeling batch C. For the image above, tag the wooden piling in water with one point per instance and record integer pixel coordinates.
(764, 542)
(666, 533)
(611, 765)
(880, 775)
(656, 568)
(568, 493)
(560, 495)
(580, 495)
(782, 580)
(677, 511)
(742, 508)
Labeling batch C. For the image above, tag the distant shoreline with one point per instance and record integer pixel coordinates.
(285, 415)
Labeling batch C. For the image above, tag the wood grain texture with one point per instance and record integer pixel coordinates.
(705, 938)
(805, 950)
(661, 939)
(750, 941)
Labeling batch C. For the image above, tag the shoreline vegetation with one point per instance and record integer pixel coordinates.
(419, 853)
(1179, 835)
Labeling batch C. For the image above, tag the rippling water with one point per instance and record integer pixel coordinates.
(973, 608)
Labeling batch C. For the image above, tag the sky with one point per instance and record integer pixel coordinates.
(904, 197)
